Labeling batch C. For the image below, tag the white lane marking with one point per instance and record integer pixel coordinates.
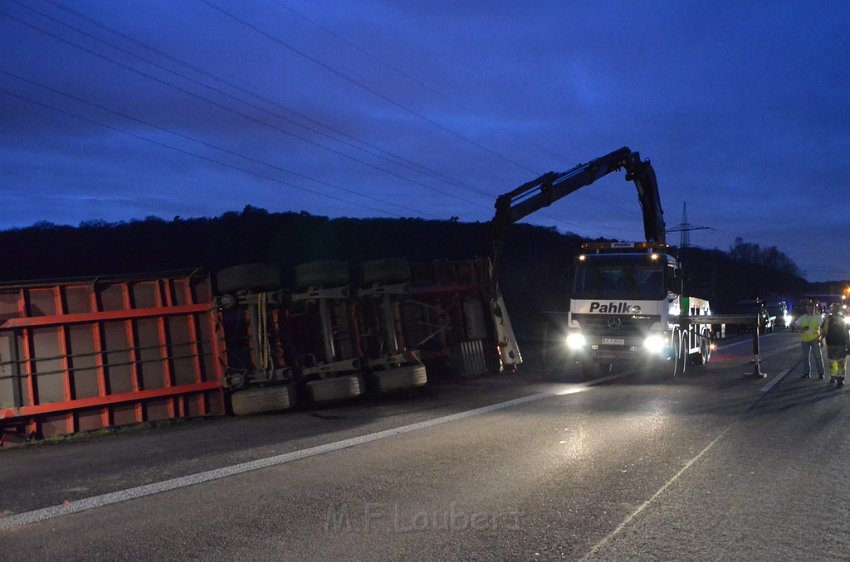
(644, 505)
(76, 506)
(776, 379)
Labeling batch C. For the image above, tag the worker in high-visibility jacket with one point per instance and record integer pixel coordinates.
(809, 325)
(837, 338)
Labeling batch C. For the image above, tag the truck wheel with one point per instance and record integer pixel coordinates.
(251, 276)
(329, 273)
(387, 270)
(683, 355)
(704, 349)
(411, 376)
(675, 365)
(337, 388)
(259, 400)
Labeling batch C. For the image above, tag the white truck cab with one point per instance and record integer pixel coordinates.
(627, 305)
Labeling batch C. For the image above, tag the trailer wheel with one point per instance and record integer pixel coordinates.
(329, 273)
(337, 388)
(411, 376)
(251, 276)
(259, 400)
(387, 270)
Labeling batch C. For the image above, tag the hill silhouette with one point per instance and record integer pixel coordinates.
(535, 272)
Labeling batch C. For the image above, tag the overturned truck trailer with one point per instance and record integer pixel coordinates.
(87, 354)
(338, 332)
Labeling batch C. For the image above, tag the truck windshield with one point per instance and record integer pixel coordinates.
(636, 281)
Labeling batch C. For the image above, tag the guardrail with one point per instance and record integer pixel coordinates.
(739, 320)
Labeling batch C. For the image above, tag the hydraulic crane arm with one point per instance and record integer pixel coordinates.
(548, 188)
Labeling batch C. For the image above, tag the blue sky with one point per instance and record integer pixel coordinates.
(121, 110)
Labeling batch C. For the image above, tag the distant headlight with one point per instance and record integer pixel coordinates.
(653, 343)
(576, 341)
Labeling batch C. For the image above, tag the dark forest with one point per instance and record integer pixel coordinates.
(534, 275)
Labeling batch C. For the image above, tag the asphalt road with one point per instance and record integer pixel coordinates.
(712, 465)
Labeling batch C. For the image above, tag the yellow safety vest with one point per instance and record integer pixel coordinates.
(810, 326)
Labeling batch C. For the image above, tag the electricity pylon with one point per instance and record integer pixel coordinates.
(685, 228)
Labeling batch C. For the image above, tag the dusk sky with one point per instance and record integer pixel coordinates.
(120, 110)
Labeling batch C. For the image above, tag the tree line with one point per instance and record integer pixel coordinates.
(535, 270)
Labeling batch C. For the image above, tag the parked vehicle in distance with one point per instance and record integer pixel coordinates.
(752, 307)
(799, 309)
(779, 310)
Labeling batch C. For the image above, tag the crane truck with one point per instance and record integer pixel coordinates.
(627, 302)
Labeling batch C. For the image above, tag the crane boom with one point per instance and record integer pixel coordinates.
(515, 205)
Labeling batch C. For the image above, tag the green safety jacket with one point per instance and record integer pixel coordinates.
(810, 326)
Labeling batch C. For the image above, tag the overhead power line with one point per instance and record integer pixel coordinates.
(402, 72)
(240, 113)
(437, 92)
(216, 104)
(364, 86)
(194, 154)
(374, 150)
(209, 145)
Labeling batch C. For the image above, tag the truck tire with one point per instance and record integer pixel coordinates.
(675, 364)
(683, 355)
(327, 273)
(387, 270)
(411, 376)
(337, 388)
(704, 349)
(250, 276)
(259, 400)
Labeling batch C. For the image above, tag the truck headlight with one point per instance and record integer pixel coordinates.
(653, 343)
(576, 341)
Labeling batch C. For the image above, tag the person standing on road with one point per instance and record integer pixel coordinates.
(809, 325)
(837, 339)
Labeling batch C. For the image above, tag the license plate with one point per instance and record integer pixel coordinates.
(613, 341)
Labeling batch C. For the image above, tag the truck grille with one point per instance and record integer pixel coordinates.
(614, 324)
